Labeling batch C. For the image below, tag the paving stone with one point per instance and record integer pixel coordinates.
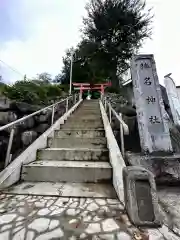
(55, 234)
(40, 204)
(83, 236)
(72, 238)
(61, 202)
(112, 201)
(96, 218)
(40, 224)
(52, 208)
(5, 227)
(49, 203)
(92, 207)
(107, 237)
(4, 236)
(123, 236)
(17, 229)
(30, 235)
(7, 218)
(93, 228)
(53, 224)
(20, 218)
(74, 204)
(101, 202)
(109, 225)
(87, 218)
(44, 212)
(72, 212)
(58, 211)
(20, 235)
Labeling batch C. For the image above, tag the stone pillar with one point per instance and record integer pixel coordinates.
(173, 99)
(151, 116)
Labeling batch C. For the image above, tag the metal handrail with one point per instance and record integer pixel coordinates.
(31, 115)
(13, 124)
(124, 125)
(124, 129)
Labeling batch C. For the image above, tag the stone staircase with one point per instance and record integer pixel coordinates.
(75, 162)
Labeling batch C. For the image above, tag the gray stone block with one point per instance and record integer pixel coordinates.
(141, 197)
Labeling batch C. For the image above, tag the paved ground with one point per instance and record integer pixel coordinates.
(24, 217)
(35, 218)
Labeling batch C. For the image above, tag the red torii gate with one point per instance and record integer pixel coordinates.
(88, 86)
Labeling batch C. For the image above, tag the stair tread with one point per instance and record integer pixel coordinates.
(76, 149)
(85, 129)
(80, 139)
(70, 164)
(97, 190)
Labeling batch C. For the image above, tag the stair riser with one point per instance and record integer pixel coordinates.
(80, 134)
(66, 174)
(73, 155)
(96, 111)
(86, 117)
(76, 143)
(88, 123)
(81, 126)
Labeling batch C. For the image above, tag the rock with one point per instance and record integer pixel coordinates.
(42, 128)
(28, 137)
(4, 104)
(7, 117)
(24, 108)
(27, 124)
(43, 116)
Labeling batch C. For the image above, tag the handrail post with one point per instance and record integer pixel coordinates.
(67, 103)
(122, 137)
(105, 104)
(8, 153)
(74, 99)
(53, 112)
(110, 115)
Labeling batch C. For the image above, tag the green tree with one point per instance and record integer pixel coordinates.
(44, 77)
(118, 27)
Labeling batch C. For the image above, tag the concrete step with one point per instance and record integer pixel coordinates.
(89, 190)
(86, 117)
(73, 154)
(90, 110)
(67, 171)
(77, 133)
(82, 126)
(77, 143)
(80, 121)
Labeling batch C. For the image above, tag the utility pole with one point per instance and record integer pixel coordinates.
(71, 70)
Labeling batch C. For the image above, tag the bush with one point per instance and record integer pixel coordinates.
(32, 92)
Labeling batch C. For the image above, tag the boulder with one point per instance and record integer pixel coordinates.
(28, 137)
(43, 116)
(4, 104)
(7, 117)
(27, 124)
(22, 108)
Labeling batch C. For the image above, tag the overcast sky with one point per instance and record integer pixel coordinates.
(35, 34)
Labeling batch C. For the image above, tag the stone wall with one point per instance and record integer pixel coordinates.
(26, 131)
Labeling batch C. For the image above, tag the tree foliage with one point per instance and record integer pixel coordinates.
(32, 92)
(113, 30)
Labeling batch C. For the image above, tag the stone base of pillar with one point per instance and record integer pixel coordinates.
(166, 168)
(140, 196)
